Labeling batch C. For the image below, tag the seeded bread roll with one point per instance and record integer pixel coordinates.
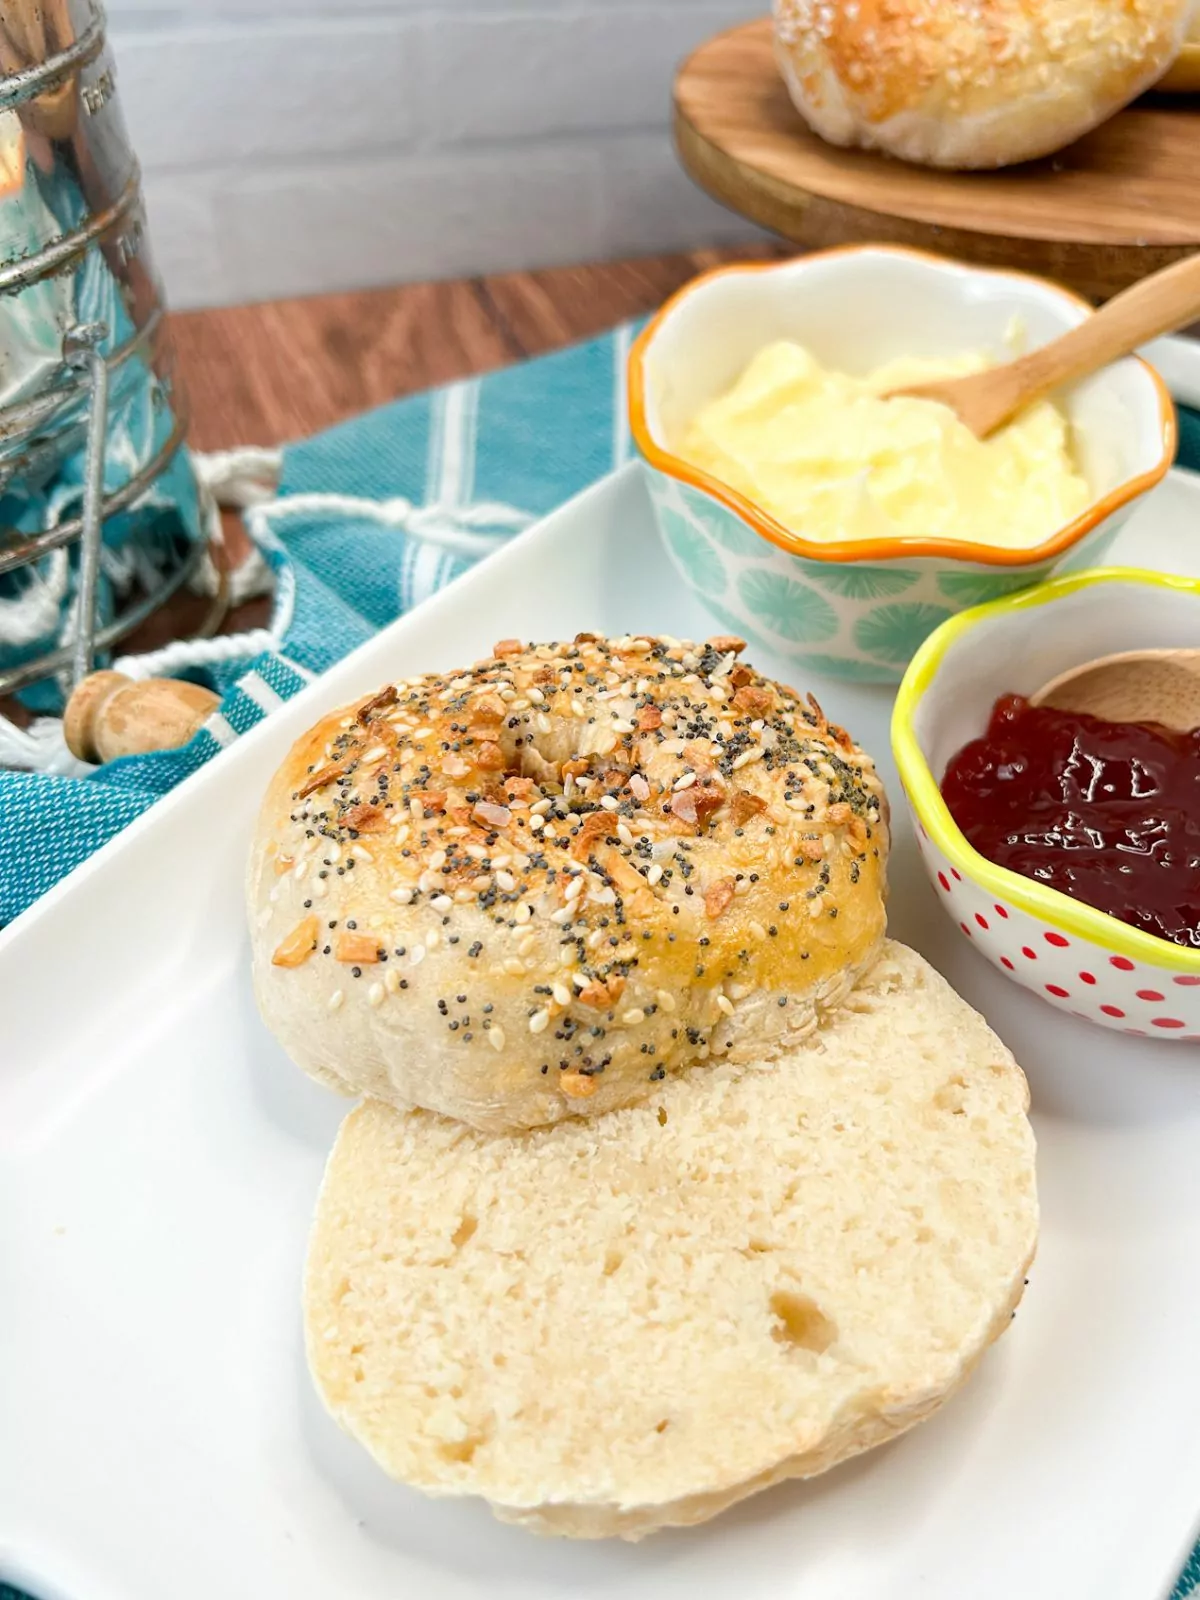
(949, 84)
(532, 889)
(615, 1325)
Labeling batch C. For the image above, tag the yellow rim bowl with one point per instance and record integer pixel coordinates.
(924, 796)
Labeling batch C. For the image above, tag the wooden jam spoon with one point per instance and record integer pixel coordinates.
(1160, 304)
(1136, 686)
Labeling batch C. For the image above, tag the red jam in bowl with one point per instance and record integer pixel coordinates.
(1108, 812)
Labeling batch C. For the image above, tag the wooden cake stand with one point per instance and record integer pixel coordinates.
(1118, 204)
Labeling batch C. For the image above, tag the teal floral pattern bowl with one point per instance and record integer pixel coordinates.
(861, 610)
(841, 620)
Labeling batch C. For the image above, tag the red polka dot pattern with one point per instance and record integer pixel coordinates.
(1075, 972)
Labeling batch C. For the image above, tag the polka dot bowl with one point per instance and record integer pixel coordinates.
(859, 609)
(1066, 952)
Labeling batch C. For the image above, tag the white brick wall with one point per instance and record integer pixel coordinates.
(295, 146)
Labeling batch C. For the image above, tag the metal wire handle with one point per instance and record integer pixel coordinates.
(81, 351)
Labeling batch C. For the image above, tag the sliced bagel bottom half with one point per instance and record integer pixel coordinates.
(612, 1326)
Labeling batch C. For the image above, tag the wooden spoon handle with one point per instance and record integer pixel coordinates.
(1159, 304)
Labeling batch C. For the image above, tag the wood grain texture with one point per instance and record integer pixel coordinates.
(1184, 76)
(261, 374)
(1101, 214)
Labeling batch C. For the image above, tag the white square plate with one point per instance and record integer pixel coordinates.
(159, 1158)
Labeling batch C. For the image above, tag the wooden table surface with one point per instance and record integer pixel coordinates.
(263, 374)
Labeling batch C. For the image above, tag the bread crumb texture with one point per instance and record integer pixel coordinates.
(607, 1327)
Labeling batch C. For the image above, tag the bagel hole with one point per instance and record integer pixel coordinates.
(800, 1322)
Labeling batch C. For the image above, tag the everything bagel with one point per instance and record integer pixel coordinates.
(533, 889)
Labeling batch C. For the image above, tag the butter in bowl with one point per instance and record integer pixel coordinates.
(838, 528)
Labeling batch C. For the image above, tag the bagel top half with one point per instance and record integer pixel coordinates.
(533, 888)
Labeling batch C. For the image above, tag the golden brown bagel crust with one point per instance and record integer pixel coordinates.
(531, 889)
(971, 83)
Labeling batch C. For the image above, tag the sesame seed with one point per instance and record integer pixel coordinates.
(562, 994)
(725, 1004)
(391, 980)
(514, 968)
(335, 999)
(683, 783)
(757, 930)
(654, 874)
(665, 1000)
(402, 897)
(633, 1017)
(574, 890)
(496, 1035)
(416, 955)
(375, 994)
(539, 1021)
(441, 902)
(506, 881)
(437, 861)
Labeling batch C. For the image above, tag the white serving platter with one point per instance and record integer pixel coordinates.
(159, 1158)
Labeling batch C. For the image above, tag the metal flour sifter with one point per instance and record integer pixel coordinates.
(99, 516)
